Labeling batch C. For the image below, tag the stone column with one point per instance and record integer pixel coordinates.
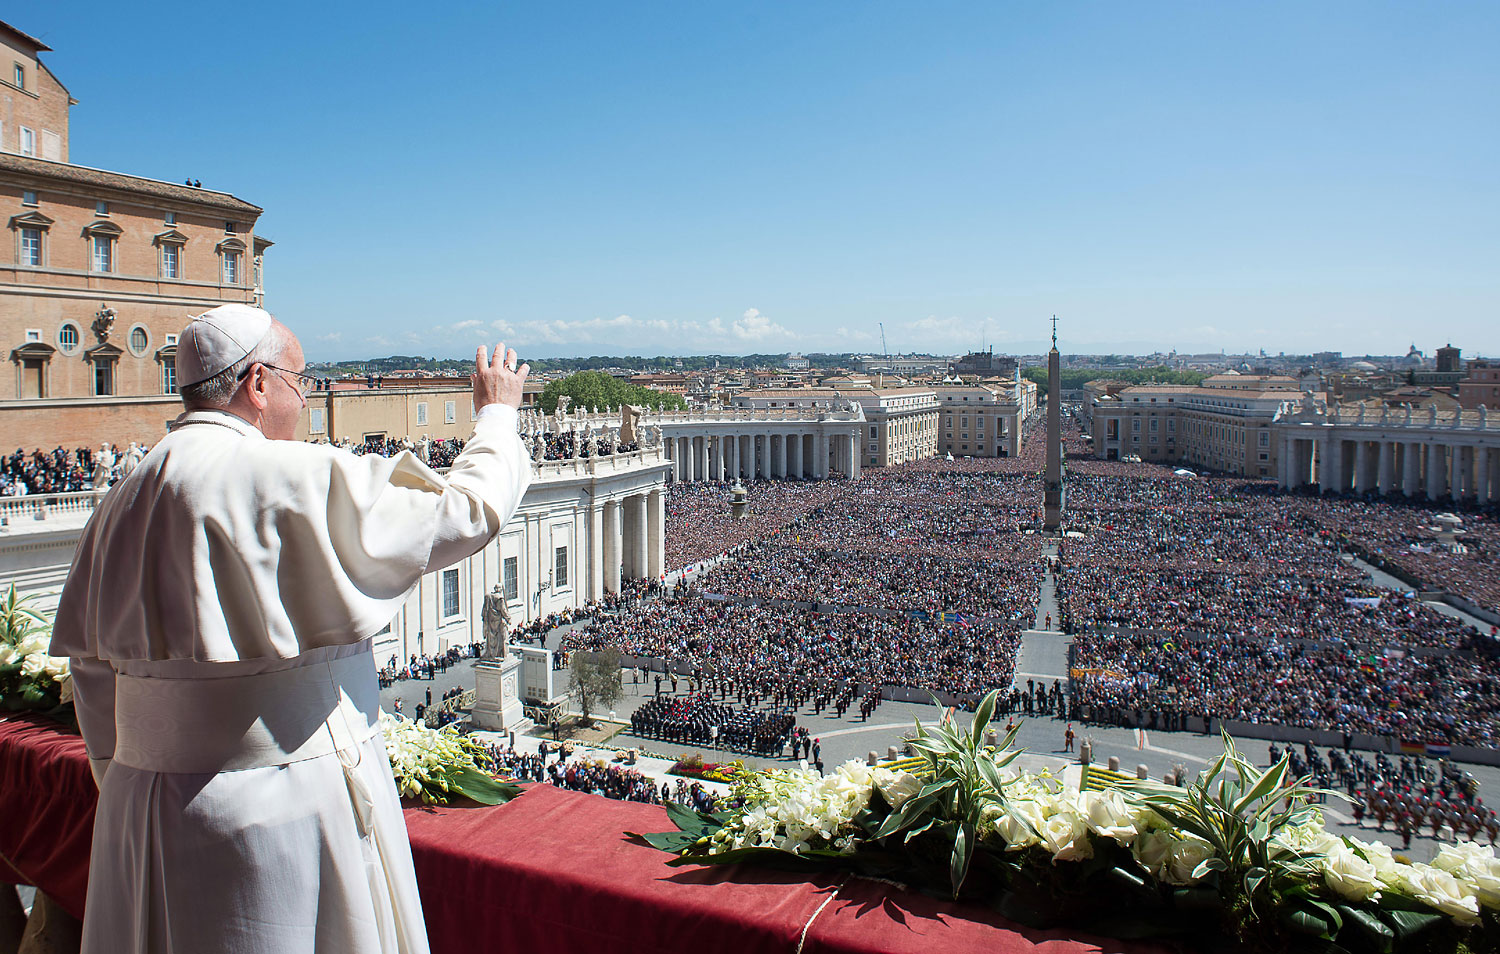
(1361, 466)
(1325, 464)
(1493, 470)
(1463, 484)
(820, 454)
(630, 532)
(1387, 478)
(853, 442)
(1411, 469)
(718, 457)
(685, 459)
(596, 558)
(613, 546)
(1437, 471)
(1284, 463)
(637, 541)
(781, 459)
(656, 538)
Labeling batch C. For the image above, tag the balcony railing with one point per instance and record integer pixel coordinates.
(42, 506)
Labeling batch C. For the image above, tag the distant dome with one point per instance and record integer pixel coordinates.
(1363, 366)
(1233, 372)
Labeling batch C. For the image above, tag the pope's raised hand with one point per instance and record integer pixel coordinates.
(497, 380)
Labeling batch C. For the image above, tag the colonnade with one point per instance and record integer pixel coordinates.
(628, 534)
(1421, 463)
(771, 455)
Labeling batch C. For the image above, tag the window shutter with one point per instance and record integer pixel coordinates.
(51, 145)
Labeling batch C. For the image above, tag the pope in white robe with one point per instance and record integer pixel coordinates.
(218, 615)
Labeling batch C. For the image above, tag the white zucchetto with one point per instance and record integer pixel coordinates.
(218, 338)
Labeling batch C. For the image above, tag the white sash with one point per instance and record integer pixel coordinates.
(203, 726)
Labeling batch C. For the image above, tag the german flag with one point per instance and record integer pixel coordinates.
(1413, 748)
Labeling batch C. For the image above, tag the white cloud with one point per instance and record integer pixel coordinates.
(333, 337)
(842, 334)
(468, 325)
(753, 326)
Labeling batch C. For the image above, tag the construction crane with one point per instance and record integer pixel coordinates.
(883, 346)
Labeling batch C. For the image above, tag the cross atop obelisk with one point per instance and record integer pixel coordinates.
(1052, 489)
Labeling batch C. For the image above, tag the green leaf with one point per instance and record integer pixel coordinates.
(688, 820)
(991, 774)
(1305, 920)
(916, 830)
(1408, 924)
(907, 815)
(674, 841)
(1374, 930)
(1255, 879)
(1263, 786)
(963, 851)
(1329, 913)
(984, 713)
(482, 788)
(1209, 864)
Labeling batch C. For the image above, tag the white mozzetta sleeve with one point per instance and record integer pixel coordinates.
(223, 546)
(94, 704)
(485, 486)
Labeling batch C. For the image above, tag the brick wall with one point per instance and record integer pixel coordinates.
(31, 425)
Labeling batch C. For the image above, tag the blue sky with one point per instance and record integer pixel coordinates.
(694, 177)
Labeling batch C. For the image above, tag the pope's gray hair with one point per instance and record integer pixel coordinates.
(218, 390)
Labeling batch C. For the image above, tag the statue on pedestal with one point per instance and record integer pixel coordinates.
(424, 449)
(104, 465)
(132, 459)
(630, 420)
(496, 616)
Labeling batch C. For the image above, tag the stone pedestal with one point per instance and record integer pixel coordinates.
(497, 700)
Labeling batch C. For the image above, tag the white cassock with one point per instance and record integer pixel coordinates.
(218, 615)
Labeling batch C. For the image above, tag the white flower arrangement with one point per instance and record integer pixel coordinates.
(801, 811)
(30, 678)
(435, 764)
(1240, 850)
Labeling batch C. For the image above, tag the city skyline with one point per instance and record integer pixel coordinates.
(680, 180)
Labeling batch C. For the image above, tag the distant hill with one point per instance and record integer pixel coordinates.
(1074, 378)
(460, 366)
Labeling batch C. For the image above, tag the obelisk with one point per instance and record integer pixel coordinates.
(1052, 492)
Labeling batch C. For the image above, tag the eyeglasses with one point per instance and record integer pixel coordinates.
(304, 384)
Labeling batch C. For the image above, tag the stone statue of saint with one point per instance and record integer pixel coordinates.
(539, 448)
(132, 459)
(630, 421)
(590, 445)
(424, 449)
(496, 624)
